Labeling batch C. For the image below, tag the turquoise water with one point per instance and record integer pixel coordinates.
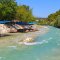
(48, 48)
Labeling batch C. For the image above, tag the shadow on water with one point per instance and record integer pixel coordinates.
(4, 35)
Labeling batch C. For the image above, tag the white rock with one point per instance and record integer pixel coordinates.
(28, 39)
(3, 29)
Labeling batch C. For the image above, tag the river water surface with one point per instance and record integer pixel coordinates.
(46, 47)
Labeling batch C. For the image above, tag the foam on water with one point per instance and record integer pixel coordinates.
(50, 38)
(12, 47)
(1, 57)
(58, 44)
(33, 43)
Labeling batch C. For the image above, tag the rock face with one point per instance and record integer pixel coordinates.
(4, 29)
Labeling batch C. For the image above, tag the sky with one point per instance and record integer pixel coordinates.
(41, 8)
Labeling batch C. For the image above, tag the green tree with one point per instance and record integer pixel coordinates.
(58, 21)
(7, 9)
(53, 18)
(24, 13)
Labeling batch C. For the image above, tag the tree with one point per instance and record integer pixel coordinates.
(53, 18)
(7, 9)
(58, 21)
(24, 13)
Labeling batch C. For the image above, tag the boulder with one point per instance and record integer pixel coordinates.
(4, 29)
(28, 40)
(13, 30)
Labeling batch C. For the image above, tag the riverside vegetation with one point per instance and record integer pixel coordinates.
(52, 20)
(10, 10)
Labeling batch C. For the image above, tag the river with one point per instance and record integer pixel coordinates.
(46, 47)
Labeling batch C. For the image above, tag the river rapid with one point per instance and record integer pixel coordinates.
(44, 47)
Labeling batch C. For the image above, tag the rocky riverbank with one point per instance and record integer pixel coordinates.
(15, 38)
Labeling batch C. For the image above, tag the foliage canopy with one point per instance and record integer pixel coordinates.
(9, 10)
